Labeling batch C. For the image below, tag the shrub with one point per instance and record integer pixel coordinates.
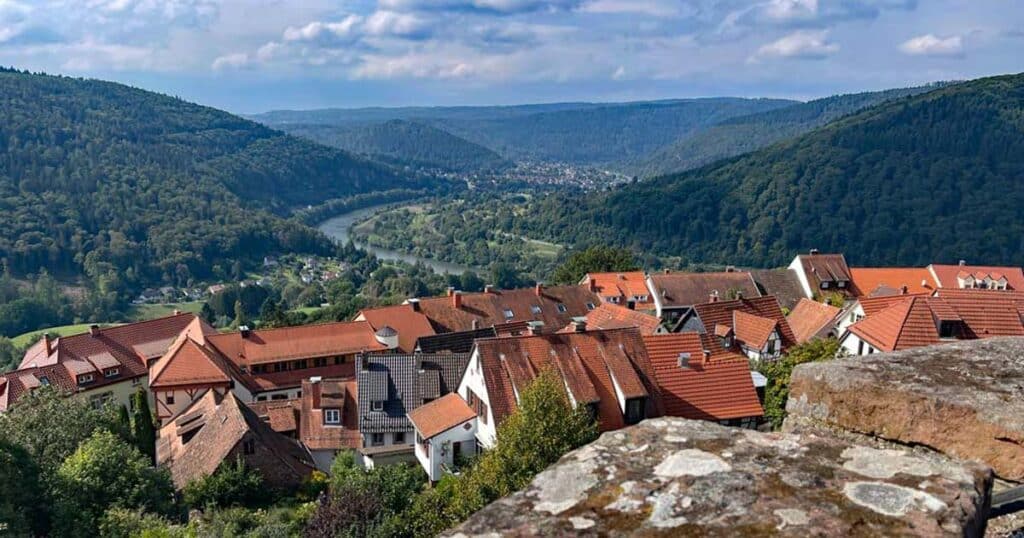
(233, 484)
(779, 372)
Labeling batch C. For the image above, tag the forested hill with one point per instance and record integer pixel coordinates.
(404, 142)
(744, 134)
(125, 184)
(934, 177)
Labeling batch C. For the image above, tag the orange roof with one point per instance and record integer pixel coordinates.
(986, 313)
(624, 285)
(904, 324)
(555, 306)
(338, 394)
(946, 275)
(440, 415)
(610, 316)
(409, 323)
(874, 305)
(289, 343)
(188, 363)
(810, 318)
(721, 313)
(873, 281)
(752, 329)
(718, 388)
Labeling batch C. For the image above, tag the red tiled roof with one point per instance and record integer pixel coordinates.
(281, 415)
(341, 394)
(688, 289)
(440, 415)
(624, 286)
(610, 316)
(752, 329)
(586, 361)
(488, 309)
(290, 343)
(189, 363)
(873, 305)
(289, 379)
(721, 313)
(409, 323)
(810, 319)
(873, 281)
(830, 268)
(986, 313)
(947, 274)
(902, 325)
(719, 388)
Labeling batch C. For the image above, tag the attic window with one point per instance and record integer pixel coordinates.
(85, 378)
(684, 360)
(824, 285)
(508, 313)
(590, 306)
(535, 309)
(377, 405)
(332, 416)
(562, 308)
(111, 372)
(44, 381)
(841, 284)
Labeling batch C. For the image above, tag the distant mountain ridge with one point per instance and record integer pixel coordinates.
(928, 178)
(404, 143)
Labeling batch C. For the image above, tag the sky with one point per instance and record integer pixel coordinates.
(250, 56)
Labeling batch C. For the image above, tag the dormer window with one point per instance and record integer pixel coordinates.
(947, 329)
(377, 405)
(111, 372)
(634, 410)
(614, 300)
(841, 284)
(590, 306)
(824, 285)
(85, 378)
(562, 308)
(535, 309)
(332, 416)
(44, 381)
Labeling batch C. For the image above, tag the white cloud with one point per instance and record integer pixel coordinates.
(496, 6)
(653, 8)
(803, 44)
(236, 60)
(406, 25)
(343, 31)
(932, 45)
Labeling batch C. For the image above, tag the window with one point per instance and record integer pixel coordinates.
(85, 378)
(535, 309)
(261, 398)
(332, 416)
(45, 381)
(684, 360)
(136, 381)
(590, 306)
(319, 361)
(377, 439)
(562, 308)
(111, 372)
(824, 285)
(841, 284)
(399, 438)
(169, 398)
(279, 397)
(508, 313)
(634, 410)
(614, 300)
(377, 405)
(860, 347)
(249, 447)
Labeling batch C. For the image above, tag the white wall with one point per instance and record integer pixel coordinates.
(802, 277)
(658, 306)
(433, 460)
(849, 317)
(473, 379)
(851, 344)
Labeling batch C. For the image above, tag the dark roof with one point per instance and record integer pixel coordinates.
(555, 306)
(831, 268)
(455, 342)
(687, 289)
(782, 283)
(722, 313)
(403, 382)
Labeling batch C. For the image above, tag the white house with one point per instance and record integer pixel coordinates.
(473, 390)
(445, 432)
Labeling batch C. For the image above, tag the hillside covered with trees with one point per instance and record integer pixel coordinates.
(934, 177)
(121, 184)
(743, 134)
(404, 142)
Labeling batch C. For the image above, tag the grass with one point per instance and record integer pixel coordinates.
(29, 338)
(141, 312)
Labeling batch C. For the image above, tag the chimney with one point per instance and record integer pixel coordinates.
(739, 294)
(536, 327)
(730, 268)
(924, 283)
(707, 355)
(904, 290)
(244, 330)
(94, 330)
(579, 324)
(666, 270)
(47, 344)
(714, 296)
(815, 252)
(415, 304)
(962, 263)
(488, 288)
(592, 284)
(539, 289)
(451, 291)
(317, 388)
(456, 299)
(177, 312)
(476, 324)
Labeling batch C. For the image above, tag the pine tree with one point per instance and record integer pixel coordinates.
(142, 425)
(124, 418)
(240, 318)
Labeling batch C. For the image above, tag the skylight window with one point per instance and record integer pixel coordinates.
(590, 306)
(535, 309)
(562, 308)
(509, 314)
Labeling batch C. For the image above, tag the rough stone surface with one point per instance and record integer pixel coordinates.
(964, 399)
(676, 477)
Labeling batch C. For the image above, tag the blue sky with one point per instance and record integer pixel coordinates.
(255, 55)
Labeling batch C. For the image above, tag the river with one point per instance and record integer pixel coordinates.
(340, 229)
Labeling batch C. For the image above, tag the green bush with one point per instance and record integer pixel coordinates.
(233, 484)
(779, 372)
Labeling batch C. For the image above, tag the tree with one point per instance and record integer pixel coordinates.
(272, 315)
(22, 505)
(125, 523)
(779, 372)
(596, 259)
(240, 317)
(233, 484)
(143, 430)
(106, 472)
(208, 314)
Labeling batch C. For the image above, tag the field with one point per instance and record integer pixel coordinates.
(29, 338)
(143, 312)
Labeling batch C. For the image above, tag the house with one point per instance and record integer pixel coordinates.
(508, 310)
(218, 428)
(283, 416)
(628, 289)
(612, 316)
(406, 319)
(908, 321)
(755, 327)
(783, 284)
(103, 364)
(811, 320)
(606, 371)
(445, 431)
(822, 273)
(963, 276)
(879, 281)
(456, 342)
(699, 380)
(675, 293)
(329, 419)
(389, 387)
(861, 307)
